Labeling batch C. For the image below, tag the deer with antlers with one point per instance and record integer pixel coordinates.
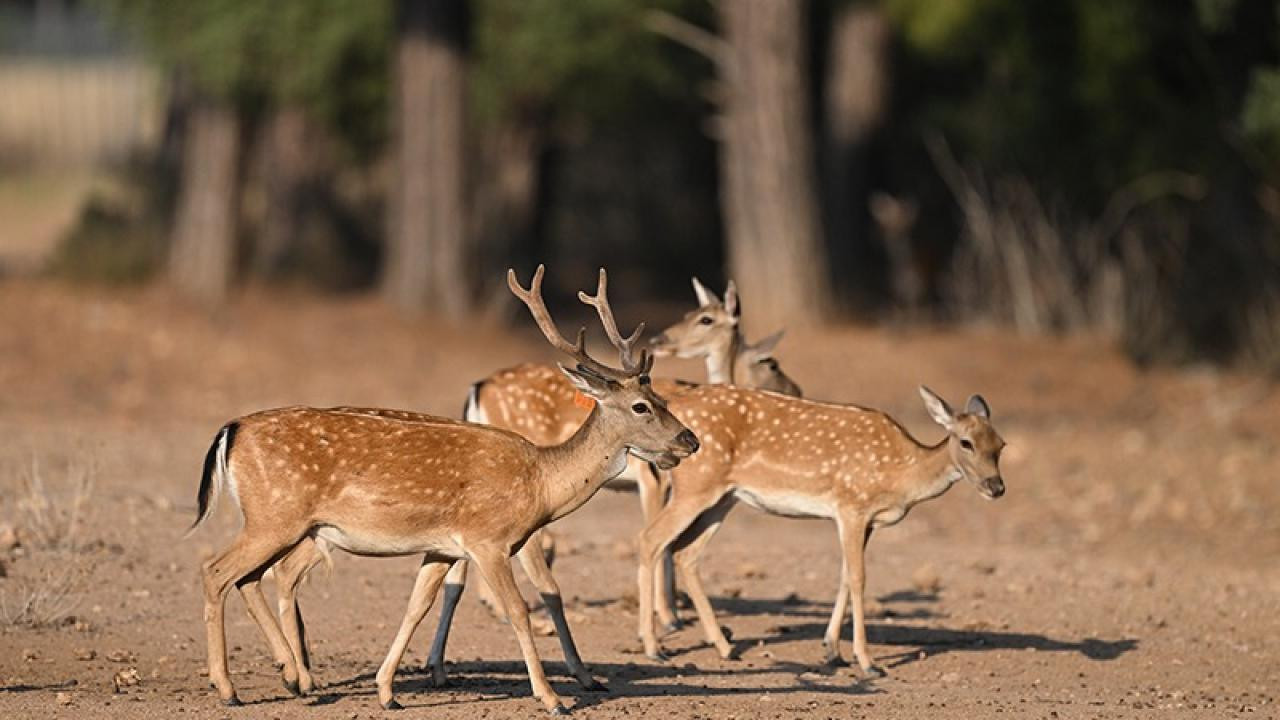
(801, 458)
(388, 483)
(536, 402)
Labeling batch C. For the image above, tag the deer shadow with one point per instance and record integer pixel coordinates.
(488, 681)
(920, 638)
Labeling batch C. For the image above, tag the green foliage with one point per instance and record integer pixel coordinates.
(586, 60)
(939, 27)
(1261, 114)
(1083, 96)
(330, 57)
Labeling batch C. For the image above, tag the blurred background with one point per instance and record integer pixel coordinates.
(210, 207)
(1097, 167)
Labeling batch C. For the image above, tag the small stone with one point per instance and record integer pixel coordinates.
(29, 655)
(85, 654)
(120, 656)
(125, 678)
(63, 698)
(8, 538)
(925, 580)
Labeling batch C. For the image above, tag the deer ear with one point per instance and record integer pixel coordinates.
(938, 408)
(978, 406)
(587, 382)
(768, 344)
(705, 296)
(731, 301)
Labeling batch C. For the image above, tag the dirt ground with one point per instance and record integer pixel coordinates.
(1131, 568)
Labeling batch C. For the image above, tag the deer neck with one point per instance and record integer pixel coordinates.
(931, 475)
(722, 360)
(573, 471)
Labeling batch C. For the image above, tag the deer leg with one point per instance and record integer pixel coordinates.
(289, 572)
(495, 566)
(689, 548)
(425, 585)
(854, 534)
(831, 640)
(651, 501)
(535, 566)
(454, 583)
(251, 592)
(249, 553)
(671, 522)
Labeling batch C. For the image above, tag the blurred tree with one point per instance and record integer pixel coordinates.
(202, 251)
(424, 262)
(767, 178)
(233, 61)
(767, 173)
(855, 104)
(554, 81)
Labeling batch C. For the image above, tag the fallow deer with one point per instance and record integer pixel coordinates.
(536, 402)
(396, 483)
(801, 458)
(712, 331)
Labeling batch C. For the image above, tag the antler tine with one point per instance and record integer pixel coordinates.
(626, 346)
(532, 298)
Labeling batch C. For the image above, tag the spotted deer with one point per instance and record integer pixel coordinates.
(388, 483)
(801, 458)
(535, 401)
(712, 331)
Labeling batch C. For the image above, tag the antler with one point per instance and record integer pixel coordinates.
(626, 346)
(532, 298)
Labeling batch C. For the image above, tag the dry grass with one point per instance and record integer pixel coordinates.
(52, 562)
(1021, 262)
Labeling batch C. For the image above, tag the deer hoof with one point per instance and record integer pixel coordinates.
(658, 656)
(232, 701)
(595, 686)
(873, 672)
(392, 704)
(559, 710)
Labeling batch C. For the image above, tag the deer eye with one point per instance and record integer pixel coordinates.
(968, 446)
(640, 408)
(705, 320)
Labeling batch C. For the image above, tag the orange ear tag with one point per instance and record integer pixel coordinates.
(585, 402)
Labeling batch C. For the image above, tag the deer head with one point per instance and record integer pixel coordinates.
(974, 445)
(756, 367)
(624, 397)
(709, 328)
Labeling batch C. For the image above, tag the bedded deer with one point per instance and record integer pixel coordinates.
(801, 458)
(388, 483)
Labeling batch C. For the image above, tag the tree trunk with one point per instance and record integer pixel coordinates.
(857, 89)
(202, 252)
(767, 174)
(504, 212)
(288, 170)
(425, 262)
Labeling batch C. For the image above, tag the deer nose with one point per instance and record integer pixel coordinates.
(995, 485)
(689, 440)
